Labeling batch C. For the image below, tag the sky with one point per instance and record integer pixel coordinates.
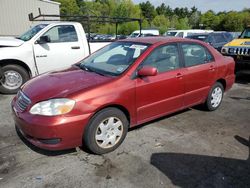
(203, 5)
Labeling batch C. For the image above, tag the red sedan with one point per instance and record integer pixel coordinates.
(124, 84)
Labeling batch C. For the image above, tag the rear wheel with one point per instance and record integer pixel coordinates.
(14, 77)
(106, 131)
(215, 97)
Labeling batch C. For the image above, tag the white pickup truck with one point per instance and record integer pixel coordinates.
(43, 48)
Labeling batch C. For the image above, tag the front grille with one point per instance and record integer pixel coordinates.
(239, 51)
(22, 101)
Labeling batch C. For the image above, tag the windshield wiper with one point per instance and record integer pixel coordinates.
(89, 69)
(84, 67)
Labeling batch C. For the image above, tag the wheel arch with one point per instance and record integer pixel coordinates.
(16, 62)
(118, 106)
(223, 82)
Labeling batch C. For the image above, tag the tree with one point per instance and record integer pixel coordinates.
(162, 17)
(234, 21)
(148, 11)
(210, 20)
(68, 7)
(164, 10)
(162, 23)
(181, 12)
(182, 24)
(194, 19)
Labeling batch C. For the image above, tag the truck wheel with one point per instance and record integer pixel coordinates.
(106, 131)
(215, 97)
(14, 77)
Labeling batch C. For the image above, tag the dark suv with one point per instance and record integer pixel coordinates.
(215, 39)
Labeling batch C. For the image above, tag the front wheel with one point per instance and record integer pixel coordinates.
(14, 77)
(106, 131)
(215, 97)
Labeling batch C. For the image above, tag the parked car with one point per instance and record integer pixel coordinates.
(215, 39)
(185, 33)
(38, 50)
(145, 32)
(124, 84)
(239, 49)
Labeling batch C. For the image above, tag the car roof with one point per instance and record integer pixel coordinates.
(199, 34)
(154, 40)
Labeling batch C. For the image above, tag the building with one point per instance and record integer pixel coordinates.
(14, 18)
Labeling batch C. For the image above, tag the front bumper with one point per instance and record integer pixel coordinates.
(51, 133)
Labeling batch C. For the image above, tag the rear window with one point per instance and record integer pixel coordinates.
(198, 37)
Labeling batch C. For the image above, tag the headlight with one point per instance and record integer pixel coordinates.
(224, 50)
(53, 107)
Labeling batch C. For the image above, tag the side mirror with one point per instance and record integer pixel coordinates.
(43, 39)
(147, 71)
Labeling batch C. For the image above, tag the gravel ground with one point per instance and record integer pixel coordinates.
(192, 148)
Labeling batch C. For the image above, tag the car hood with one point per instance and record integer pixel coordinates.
(239, 42)
(60, 84)
(10, 42)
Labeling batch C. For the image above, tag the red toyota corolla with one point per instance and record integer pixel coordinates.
(124, 84)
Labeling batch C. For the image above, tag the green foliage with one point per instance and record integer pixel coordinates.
(234, 21)
(162, 17)
(162, 23)
(148, 11)
(164, 10)
(183, 24)
(69, 7)
(210, 20)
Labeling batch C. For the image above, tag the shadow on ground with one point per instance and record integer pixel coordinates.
(188, 170)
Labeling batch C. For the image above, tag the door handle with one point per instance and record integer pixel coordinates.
(211, 68)
(179, 75)
(75, 47)
(39, 56)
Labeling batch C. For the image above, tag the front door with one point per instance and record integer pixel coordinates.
(63, 50)
(161, 94)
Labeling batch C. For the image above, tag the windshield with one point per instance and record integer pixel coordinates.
(246, 34)
(198, 37)
(32, 32)
(114, 59)
(171, 33)
(134, 35)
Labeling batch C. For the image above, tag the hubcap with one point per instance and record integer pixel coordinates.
(216, 97)
(13, 80)
(109, 132)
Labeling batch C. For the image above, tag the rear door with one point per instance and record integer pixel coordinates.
(163, 93)
(199, 74)
(63, 50)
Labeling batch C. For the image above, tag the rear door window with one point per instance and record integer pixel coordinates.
(195, 54)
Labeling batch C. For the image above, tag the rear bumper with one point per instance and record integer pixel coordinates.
(51, 133)
(230, 80)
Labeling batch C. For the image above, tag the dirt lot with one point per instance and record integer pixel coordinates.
(192, 148)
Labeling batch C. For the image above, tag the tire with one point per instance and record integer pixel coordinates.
(15, 77)
(102, 131)
(215, 97)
